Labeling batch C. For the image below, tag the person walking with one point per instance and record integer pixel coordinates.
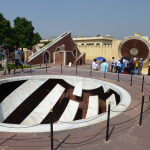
(122, 67)
(5, 56)
(18, 57)
(141, 65)
(104, 66)
(130, 66)
(22, 56)
(126, 63)
(118, 66)
(94, 65)
(136, 66)
(0, 53)
(112, 64)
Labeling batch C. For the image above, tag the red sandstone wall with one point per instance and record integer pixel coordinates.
(69, 58)
(29, 53)
(69, 46)
(59, 57)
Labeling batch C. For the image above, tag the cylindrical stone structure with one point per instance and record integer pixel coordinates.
(135, 47)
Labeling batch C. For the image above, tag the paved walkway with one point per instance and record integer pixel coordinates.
(125, 133)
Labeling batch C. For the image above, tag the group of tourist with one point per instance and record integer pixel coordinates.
(123, 66)
(103, 66)
(127, 66)
(16, 55)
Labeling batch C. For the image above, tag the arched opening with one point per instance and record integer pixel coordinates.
(58, 49)
(80, 62)
(75, 52)
(46, 57)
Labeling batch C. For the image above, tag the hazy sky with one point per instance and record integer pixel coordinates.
(119, 18)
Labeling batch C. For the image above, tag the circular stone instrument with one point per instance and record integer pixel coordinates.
(32, 118)
(134, 47)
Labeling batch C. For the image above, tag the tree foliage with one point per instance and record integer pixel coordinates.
(36, 38)
(5, 30)
(21, 34)
(45, 43)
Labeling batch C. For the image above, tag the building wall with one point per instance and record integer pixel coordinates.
(59, 57)
(106, 51)
(69, 58)
(69, 46)
(93, 42)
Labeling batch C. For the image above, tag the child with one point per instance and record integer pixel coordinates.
(26, 59)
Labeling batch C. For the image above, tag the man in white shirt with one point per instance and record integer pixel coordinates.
(112, 64)
(94, 65)
(18, 58)
(118, 65)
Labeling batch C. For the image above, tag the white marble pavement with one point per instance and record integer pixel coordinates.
(41, 111)
(13, 100)
(93, 106)
(70, 112)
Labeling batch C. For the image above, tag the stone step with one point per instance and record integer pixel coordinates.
(70, 112)
(93, 106)
(41, 111)
(13, 100)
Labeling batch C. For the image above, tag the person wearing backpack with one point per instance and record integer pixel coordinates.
(136, 66)
(18, 58)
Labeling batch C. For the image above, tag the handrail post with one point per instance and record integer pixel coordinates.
(46, 67)
(61, 68)
(51, 128)
(91, 70)
(142, 105)
(76, 69)
(142, 84)
(30, 69)
(131, 78)
(118, 74)
(108, 120)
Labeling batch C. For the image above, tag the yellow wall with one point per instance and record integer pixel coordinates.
(106, 51)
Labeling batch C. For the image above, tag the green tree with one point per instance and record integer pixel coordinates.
(9, 42)
(45, 43)
(36, 39)
(23, 32)
(5, 30)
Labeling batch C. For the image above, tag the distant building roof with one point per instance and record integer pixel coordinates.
(96, 38)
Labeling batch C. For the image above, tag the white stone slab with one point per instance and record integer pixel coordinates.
(78, 88)
(41, 111)
(70, 112)
(12, 101)
(111, 99)
(37, 47)
(1, 114)
(93, 106)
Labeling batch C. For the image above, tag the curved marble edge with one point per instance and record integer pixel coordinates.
(124, 103)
